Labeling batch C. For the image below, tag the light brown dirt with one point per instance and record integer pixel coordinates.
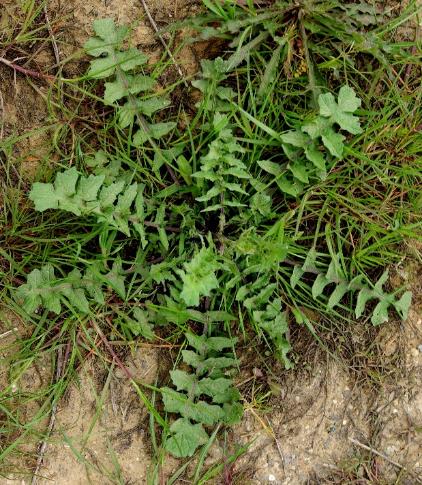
(321, 411)
(101, 432)
(81, 15)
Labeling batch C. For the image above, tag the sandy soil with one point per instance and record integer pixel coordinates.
(102, 419)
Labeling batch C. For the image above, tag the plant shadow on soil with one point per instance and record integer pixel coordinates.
(366, 386)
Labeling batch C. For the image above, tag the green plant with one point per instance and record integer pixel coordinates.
(342, 286)
(224, 245)
(115, 205)
(221, 171)
(113, 62)
(307, 162)
(211, 362)
(216, 97)
(44, 289)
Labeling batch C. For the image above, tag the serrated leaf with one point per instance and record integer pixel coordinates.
(198, 342)
(338, 293)
(334, 142)
(319, 285)
(107, 30)
(102, 67)
(341, 113)
(335, 273)
(43, 196)
(317, 127)
(316, 157)
(233, 413)
(220, 343)
(109, 194)
(155, 131)
(77, 298)
(152, 105)
(199, 277)
(109, 37)
(215, 363)
(260, 298)
(327, 105)
(234, 187)
(208, 414)
(116, 278)
(381, 281)
(158, 130)
(92, 283)
(364, 295)
(141, 326)
(402, 306)
(289, 186)
(295, 138)
(173, 401)
(203, 344)
(96, 47)
(347, 100)
(43, 288)
(296, 276)
(212, 192)
(51, 301)
(310, 262)
(114, 91)
(126, 198)
(274, 322)
(65, 183)
(299, 171)
(130, 58)
(220, 389)
(185, 169)
(186, 439)
(261, 203)
(192, 359)
(270, 167)
(200, 411)
(185, 382)
(380, 313)
(89, 187)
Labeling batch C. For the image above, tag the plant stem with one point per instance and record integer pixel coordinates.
(27, 72)
(309, 62)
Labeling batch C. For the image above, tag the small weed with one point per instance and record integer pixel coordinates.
(284, 194)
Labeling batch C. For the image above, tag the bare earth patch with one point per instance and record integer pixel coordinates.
(101, 432)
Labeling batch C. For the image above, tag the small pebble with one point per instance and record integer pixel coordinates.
(271, 478)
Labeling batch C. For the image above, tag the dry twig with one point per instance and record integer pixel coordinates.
(384, 457)
(163, 42)
(112, 352)
(43, 446)
(53, 38)
(27, 72)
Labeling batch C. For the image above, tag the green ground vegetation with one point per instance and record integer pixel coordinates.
(288, 189)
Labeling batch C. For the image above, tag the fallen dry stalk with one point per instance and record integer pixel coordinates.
(163, 42)
(27, 72)
(43, 446)
(384, 457)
